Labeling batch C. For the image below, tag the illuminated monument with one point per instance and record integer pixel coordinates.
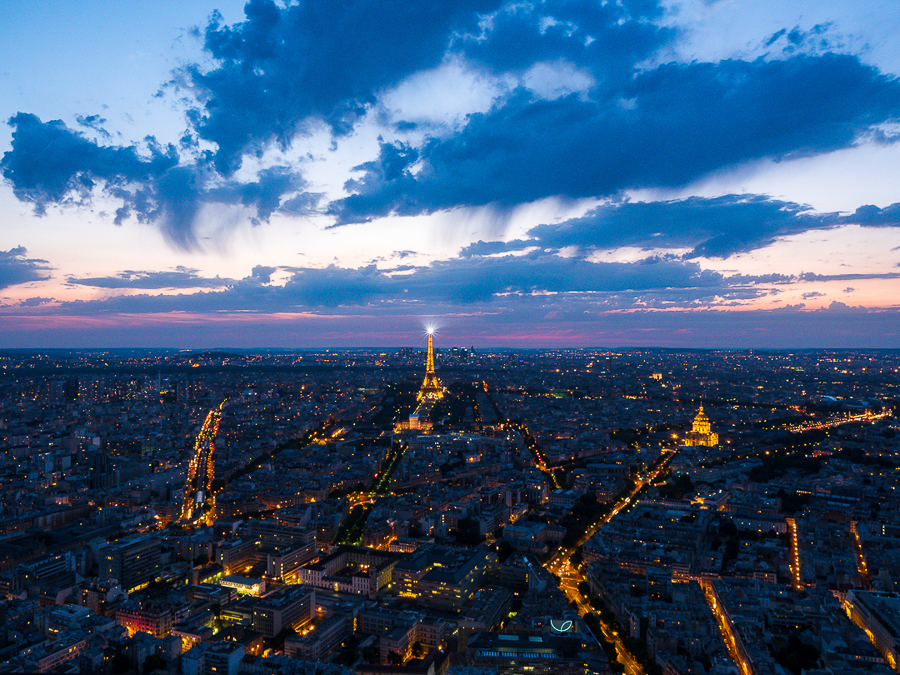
(429, 394)
(431, 387)
(701, 433)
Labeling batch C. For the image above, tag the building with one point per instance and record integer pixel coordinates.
(244, 585)
(56, 653)
(236, 555)
(322, 640)
(290, 608)
(441, 577)
(155, 617)
(517, 654)
(133, 561)
(878, 613)
(213, 658)
(701, 433)
(351, 569)
(398, 631)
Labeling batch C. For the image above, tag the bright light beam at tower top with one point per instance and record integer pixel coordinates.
(431, 386)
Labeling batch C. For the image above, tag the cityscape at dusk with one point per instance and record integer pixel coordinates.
(472, 337)
(449, 510)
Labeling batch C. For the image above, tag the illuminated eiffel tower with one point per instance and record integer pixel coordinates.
(431, 386)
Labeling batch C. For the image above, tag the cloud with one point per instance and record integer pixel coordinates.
(480, 248)
(180, 277)
(535, 279)
(811, 276)
(266, 194)
(535, 296)
(668, 126)
(16, 269)
(35, 302)
(715, 227)
(796, 39)
(94, 122)
(711, 227)
(286, 66)
(50, 163)
(837, 307)
(604, 40)
(262, 273)
(579, 111)
(873, 216)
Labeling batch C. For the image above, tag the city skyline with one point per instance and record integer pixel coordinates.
(663, 173)
(584, 512)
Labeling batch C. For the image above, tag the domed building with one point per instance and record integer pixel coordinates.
(701, 433)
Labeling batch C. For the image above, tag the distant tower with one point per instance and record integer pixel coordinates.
(701, 433)
(431, 387)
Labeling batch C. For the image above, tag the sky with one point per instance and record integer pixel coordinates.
(565, 173)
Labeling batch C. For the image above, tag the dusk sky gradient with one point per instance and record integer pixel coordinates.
(682, 173)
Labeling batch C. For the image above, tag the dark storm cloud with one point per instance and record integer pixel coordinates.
(670, 125)
(180, 277)
(15, 268)
(285, 66)
(50, 163)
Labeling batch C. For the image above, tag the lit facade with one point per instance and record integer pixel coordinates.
(290, 608)
(133, 562)
(878, 614)
(701, 433)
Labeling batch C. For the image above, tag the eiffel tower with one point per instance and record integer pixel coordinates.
(431, 386)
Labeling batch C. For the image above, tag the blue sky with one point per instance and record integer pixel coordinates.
(696, 173)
